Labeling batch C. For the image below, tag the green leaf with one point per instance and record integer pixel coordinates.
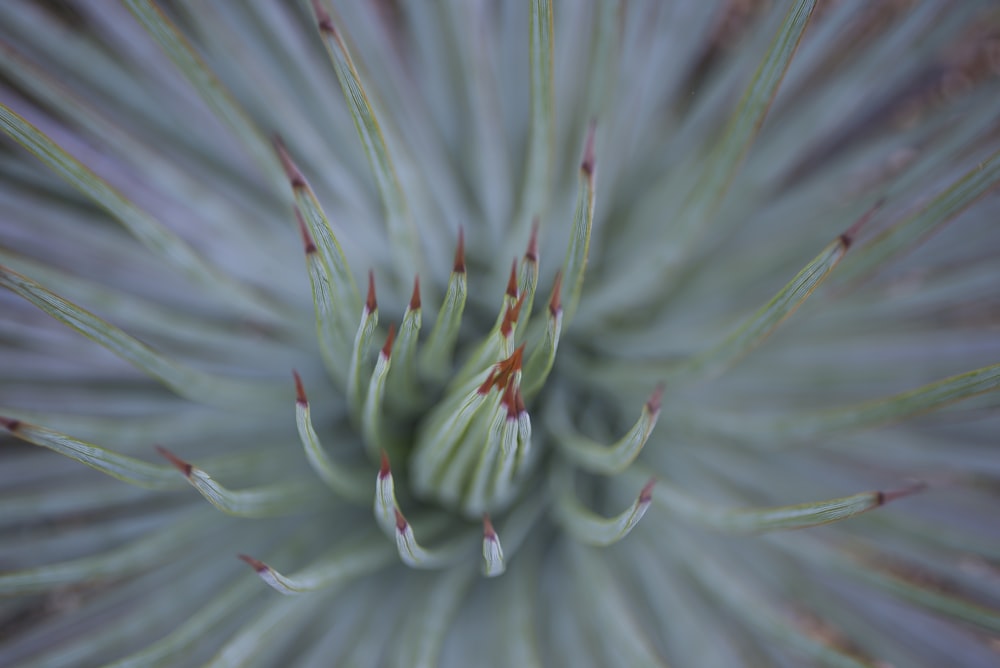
(127, 469)
(748, 116)
(517, 614)
(423, 636)
(578, 250)
(540, 362)
(146, 229)
(597, 457)
(119, 562)
(135, 312)
(541, 137)
(931, 397)
(436, 357)
(608, 613)
(183, 380)
(372, 413)
(400, 232)
(218, 610)
(346, 482)
(584, 525)
(343, 565)
(205, 82)
(683, 226)
(750, 606)
(678, 503)
(266, 501)
(335, 295)
(267, 636)
(754, 330)
(359, 351)
(403, 387)
(901, 237)
(916, 590)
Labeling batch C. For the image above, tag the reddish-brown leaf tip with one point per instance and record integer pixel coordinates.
(519, 402)
(655, 399)
(555, 303)
(383, 470)
(489, 533)
(507, 326)
(459, 266)
(511, 315)
(300, 390)
(258, 566)
(646, 494)
(490, 380)
(307, 241)
(587, 163)
(510, 401)
(291, 170)
(913, 488)
(390, 337)
(371, 303)
(849, 235)
(512, 281)
(10, 424)
(531, 255)
(415, 297)
(400, 521)
(323, 17)
(503, 371)
(517, 357)
(516, 308)
(179, 463)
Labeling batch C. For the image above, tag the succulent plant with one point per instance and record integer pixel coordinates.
(501, 333)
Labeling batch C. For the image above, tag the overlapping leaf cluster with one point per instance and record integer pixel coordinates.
(769, 249)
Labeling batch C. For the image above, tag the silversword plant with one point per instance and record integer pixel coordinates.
(517, 333)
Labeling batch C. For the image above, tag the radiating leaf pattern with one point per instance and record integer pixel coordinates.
(520, 333)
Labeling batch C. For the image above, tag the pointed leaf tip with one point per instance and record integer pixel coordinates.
(371, 303)
(415, 297)
(307, 241)
(849, 235)
(914, 488)
(531, 254)
(493, 561)
(507, 326)
(512, 281)
(10, 424)
(384, 469)
(258, 566)
(389, 339)
(300, 390)
(323, 19)
(646, 494)
(555, 303)
(587, 163)
(517, 357)
(655, 400)
(588, 527)
(503, 371)
(292, 172)
(487, 384)
(459, 267)
(515, 310)
(511, 315)
(179, 463)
